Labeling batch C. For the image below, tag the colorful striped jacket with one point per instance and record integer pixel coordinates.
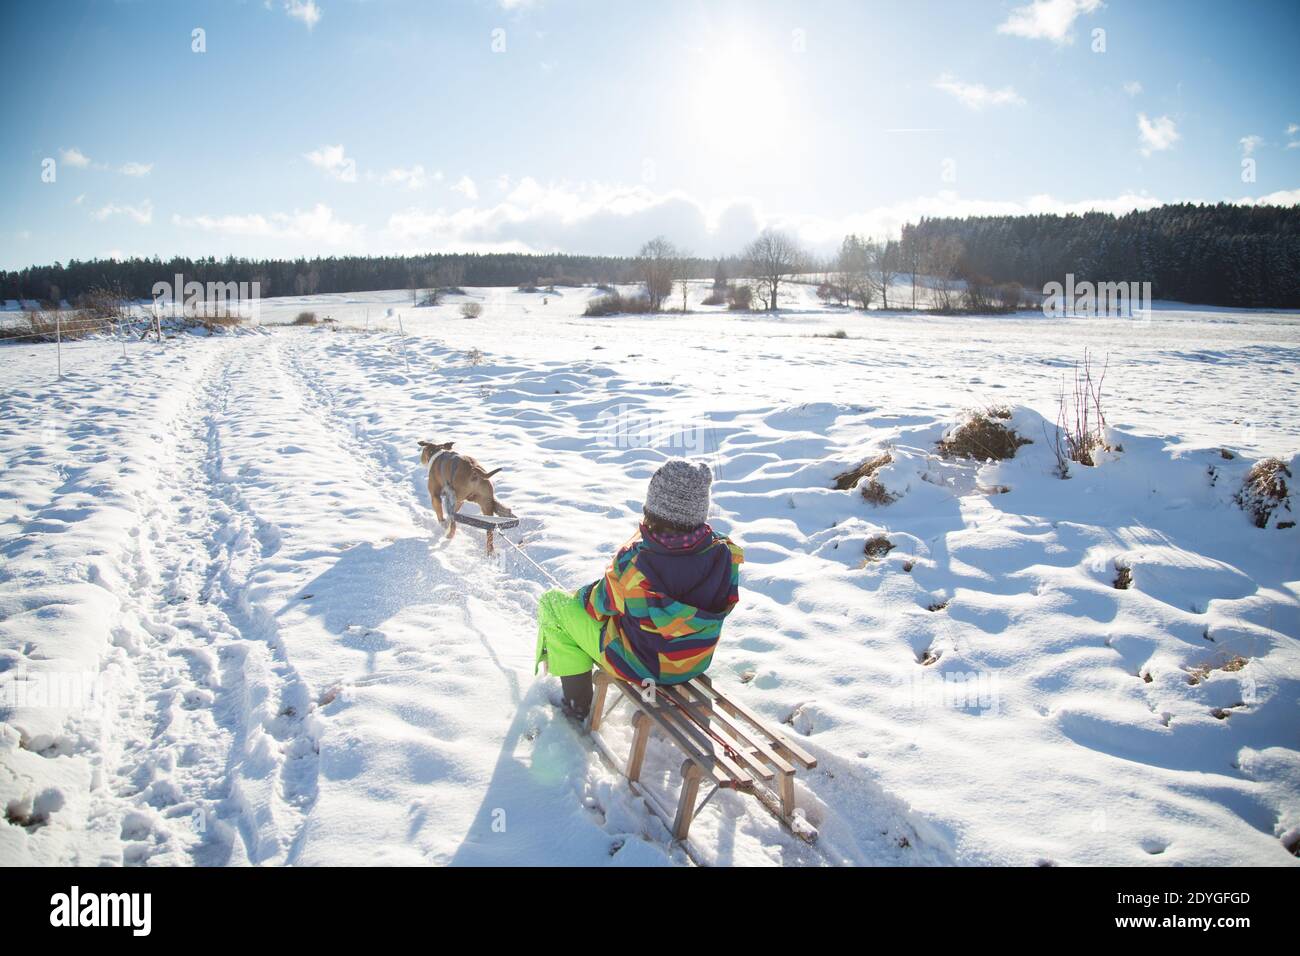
(662, 603)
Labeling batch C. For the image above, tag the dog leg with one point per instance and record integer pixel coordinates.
(451, 505)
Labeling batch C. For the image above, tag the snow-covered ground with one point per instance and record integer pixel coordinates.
(220, 567)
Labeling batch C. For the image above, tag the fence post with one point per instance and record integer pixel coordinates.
(402, 330)
(58, 338)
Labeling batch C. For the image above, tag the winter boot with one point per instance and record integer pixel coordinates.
(577, 693)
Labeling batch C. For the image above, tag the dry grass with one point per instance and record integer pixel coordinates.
(1123, 577)
(873, 492)
(877, 547)
(984, 437)
(51, 326)
(849, 479)
(1198, 674)
(305, 318)
(1265, 491)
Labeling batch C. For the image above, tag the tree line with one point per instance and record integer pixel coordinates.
(1224, 254)
(135, 277)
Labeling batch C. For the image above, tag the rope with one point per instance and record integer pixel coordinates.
(524, 554)
(713, 735)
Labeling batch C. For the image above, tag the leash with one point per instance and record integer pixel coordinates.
(524, 554)
(726, 747)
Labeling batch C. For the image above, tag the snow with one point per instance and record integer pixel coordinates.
(220, 549)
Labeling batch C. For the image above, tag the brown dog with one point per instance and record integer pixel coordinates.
(455, 479)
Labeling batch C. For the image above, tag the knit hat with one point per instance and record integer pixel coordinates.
(679, 493)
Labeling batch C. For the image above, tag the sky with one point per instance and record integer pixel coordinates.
(325, 127)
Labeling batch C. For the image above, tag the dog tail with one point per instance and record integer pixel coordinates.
(492, 472)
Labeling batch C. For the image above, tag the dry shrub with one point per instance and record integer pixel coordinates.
(837, 334)
(739, 298)
(874, 493)
(1265, 491)
(984, 437)
(1123, 577)
(616, 303)
(305, 318)
(1080, 421)
(877, 547)
(471, 310)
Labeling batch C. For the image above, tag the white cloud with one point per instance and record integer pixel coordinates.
(1132, 88)
(465, 186)
(598, 218)
(334, 162)
(1157, 134)
(317, 224)
(1048, 19)
(74, 157)
(412, 178)
(976, 96)
(1284, 197)
(1291, 131)
(304, 10)
(136, 169)
(1250, 143)
(143, 213)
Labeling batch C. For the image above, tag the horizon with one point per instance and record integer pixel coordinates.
(301, 129)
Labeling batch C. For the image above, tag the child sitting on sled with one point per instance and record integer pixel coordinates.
(657, 613)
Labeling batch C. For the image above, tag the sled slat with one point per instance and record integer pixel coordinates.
(753, 741)
(709, 717)
(737, 709)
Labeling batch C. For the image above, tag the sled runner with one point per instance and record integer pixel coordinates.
(724, 743)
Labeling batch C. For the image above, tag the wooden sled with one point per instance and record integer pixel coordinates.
(489, 523)
(486, 522)
(739, 751)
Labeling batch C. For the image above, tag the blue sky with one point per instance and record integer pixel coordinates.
(376, 126)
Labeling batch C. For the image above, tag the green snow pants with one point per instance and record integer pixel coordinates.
(568, 638)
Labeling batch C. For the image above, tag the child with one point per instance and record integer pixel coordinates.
(657, 613)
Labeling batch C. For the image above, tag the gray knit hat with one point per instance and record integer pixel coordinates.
(679, 492)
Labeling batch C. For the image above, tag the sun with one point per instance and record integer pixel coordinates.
(740, 103)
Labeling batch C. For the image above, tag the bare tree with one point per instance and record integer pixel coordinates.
(658, 261)
(911, 256)
(773, 257)
(884, 268)
(684, 270)
(854, 267)
(942, 259)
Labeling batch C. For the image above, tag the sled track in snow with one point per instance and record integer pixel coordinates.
(215, 766)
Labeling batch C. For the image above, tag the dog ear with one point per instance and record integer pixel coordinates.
(424, 444)
(446, 446)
